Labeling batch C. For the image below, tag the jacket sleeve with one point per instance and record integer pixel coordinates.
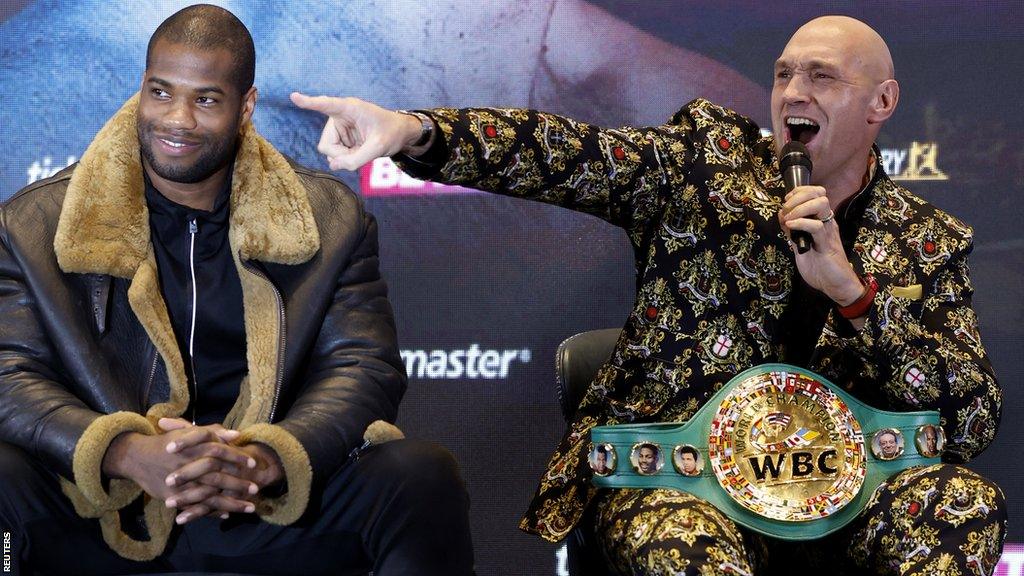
(37, 411)
(355, 376)
(621, 175)
(933, 359)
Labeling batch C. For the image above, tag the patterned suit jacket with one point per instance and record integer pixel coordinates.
(698, 198)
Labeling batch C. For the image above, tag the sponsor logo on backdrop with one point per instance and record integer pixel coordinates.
(382, 177)
(45, 168)
(1012, 562)
(470, 363)
(918, 162)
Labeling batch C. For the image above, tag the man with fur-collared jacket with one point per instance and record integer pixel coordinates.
(195, 336)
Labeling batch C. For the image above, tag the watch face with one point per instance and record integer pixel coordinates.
(426, 129)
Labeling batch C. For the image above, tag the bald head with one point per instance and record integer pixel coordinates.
(866, 49)
(833, 90)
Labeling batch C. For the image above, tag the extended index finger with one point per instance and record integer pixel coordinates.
(323, 104)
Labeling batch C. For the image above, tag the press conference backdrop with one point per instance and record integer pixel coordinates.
(485, 287)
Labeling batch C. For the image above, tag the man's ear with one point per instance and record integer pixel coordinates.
(887, 95)
(248, 105)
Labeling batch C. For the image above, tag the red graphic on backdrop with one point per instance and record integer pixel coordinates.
(383, 178)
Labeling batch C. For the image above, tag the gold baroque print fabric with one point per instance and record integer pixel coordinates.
(940, 519)
(655, 532)
(698, 199)
(935, 520)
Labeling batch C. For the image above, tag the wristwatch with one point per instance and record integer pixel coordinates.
(426, 127)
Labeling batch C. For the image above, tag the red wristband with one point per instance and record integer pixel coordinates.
(860, 306)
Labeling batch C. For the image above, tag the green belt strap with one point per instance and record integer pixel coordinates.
(770, 487)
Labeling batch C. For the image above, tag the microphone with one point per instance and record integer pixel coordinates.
(795, 165)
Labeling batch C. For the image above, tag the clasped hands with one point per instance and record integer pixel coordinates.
(195, 469)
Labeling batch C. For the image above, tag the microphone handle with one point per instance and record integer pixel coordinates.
(799, 176)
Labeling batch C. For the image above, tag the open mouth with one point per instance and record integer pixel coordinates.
(802, 129)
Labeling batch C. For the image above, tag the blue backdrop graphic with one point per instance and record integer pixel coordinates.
(474, 273)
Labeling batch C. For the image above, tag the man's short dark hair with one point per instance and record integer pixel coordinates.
(689, 450)
(211, 28)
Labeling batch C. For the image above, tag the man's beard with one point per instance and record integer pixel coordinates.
(215, 155)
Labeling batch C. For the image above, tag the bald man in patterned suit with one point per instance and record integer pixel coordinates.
(880, 305)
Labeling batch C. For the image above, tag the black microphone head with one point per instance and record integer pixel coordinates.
(794, 153)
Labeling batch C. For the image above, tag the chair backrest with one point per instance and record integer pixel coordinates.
(576, 363)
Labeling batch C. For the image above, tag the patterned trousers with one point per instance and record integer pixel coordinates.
(935, 520)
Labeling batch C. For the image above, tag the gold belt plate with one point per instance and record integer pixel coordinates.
(784, 446)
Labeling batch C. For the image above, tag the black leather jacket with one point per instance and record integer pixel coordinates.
(82, 327)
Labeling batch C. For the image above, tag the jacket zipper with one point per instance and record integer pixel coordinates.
(193, 230)
(152, 375)
(279, 374)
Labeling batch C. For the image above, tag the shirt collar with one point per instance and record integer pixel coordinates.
(161, 205)
(850, 213)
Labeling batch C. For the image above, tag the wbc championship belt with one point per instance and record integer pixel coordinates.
(779, 449)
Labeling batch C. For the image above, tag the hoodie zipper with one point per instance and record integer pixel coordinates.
(193, 231)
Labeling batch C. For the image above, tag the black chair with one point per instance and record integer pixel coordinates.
(576, 363)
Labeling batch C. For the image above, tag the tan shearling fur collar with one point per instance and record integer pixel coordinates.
(104, 222)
